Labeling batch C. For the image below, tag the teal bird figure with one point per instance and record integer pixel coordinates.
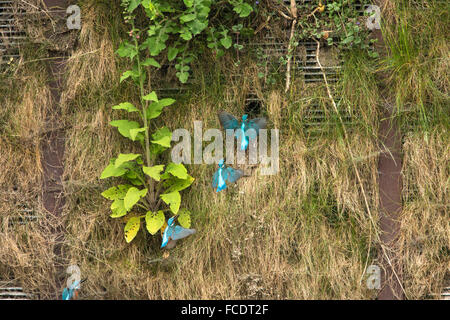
(242, 130)
(71, 292)
(172, 233)
(224, 174)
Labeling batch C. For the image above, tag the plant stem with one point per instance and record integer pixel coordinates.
(144, 105)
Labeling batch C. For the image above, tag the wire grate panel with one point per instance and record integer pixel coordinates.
(10, 36)
(10, 292)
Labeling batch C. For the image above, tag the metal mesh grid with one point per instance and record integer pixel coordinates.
(10, 36)
(10, 292)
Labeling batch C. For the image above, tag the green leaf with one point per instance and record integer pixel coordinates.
(154, 221)
(112, 171)
(155, 109)
(172, 199)
(177, 170)
(182, 76)
(154, 172)
(133, 5)
(128, 74)
(151, 62)
(186, 34)
(117, 192)
(172, 53)
(184, 218)
(156, 43)
(243, 9)
(133, 196)
(134, 133)
(118, 209)
(226, 42)
(162, 137)
(124, 127)
(126, 50)
(126, 106)
(131, 228)
(187, 17)
(125, 157)
(151, 97)
(196, 26)
(175, 184)
(188, 3)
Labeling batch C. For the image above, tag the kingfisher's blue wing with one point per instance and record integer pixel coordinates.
(233, 175)
(180, 233)
(167, 234)
(228, 121)
(256, 124)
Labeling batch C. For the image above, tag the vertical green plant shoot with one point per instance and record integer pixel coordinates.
(149, 185)
(170, 29)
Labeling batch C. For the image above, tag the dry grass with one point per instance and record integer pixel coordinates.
(425, 220)
(301, 234)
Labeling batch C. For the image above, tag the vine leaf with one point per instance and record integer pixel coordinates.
(154, 172)
(172, 199)
(131, 228)
(133, 196)
(154, 221)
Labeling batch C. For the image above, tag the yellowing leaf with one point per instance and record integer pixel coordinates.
(131, 228)
(173, 199)
(117, 192)
(184, 218)
(154, 221)
(118, 209)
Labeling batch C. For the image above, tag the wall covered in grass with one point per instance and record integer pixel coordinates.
(305, 233)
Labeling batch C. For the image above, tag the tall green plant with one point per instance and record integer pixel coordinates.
(150, 184)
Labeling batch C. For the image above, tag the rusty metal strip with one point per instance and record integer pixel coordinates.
(390, 189)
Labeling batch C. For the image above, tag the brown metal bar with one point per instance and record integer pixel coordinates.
(390, 187)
